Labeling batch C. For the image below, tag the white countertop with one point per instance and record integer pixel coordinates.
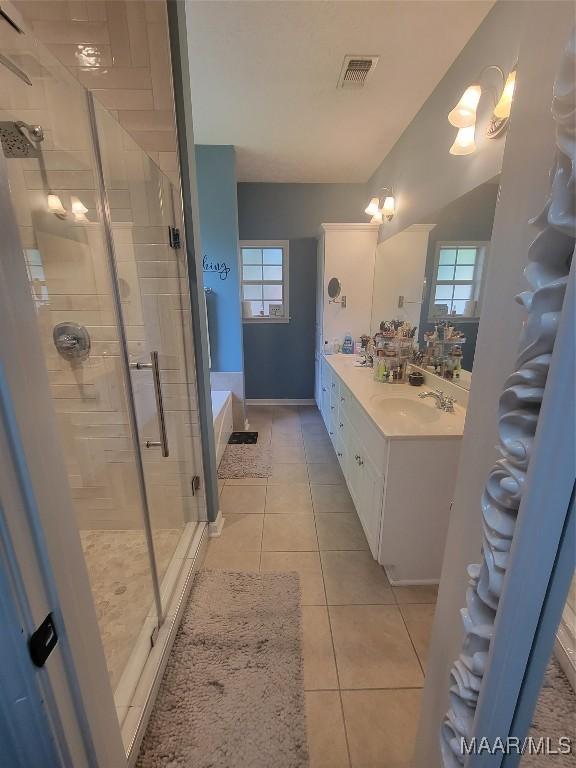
(396, 409)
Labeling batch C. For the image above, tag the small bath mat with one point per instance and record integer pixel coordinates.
(240, 461)
(243, 438)
(232, 695)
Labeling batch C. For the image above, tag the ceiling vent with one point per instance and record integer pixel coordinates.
(355, 71)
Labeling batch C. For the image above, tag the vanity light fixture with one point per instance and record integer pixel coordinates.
(464, 143)
(463, 115)
(373, 207)
(377, 218)
(79, 210)
(501, 113)
(389, 207)
(55, 206)
(387, 210)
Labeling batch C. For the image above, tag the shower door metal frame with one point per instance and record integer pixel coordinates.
(40, 544)
(104, 207)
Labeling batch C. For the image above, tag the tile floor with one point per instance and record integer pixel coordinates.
(365, 643)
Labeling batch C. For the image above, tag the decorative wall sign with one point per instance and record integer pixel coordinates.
(218, 267)
(547, 273)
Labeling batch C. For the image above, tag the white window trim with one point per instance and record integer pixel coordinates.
(285, 245)
(484, 246)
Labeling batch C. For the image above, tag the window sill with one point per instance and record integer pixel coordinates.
(265, 320)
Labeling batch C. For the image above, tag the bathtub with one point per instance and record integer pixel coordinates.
(222, 416)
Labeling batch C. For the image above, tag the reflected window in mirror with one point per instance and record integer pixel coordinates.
(456, 291)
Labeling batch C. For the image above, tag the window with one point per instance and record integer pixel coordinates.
(457, 285)
(264, 281)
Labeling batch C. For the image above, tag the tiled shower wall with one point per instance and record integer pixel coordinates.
(120, 51)
(67, 264)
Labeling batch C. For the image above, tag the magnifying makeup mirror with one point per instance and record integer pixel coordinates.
(334, 290)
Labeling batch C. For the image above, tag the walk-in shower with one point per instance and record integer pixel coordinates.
(97, 218)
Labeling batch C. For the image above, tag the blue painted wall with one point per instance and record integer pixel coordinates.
(216, 180)
(469, 218)
(279, 357)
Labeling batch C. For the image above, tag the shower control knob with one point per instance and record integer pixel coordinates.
(72, 341)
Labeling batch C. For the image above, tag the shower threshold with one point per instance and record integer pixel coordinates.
(137, 688)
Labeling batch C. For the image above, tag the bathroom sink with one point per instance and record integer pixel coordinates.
(405, 410)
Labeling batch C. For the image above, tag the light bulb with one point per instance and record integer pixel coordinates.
(464, 113)
(55, 206)
(464, 143)
(502, 109)
(373, 207)
(389, 207)
(377, 218)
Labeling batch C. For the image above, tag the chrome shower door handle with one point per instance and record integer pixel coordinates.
(159, 404)
(163, 443)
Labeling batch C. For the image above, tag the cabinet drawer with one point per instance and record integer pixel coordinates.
(346, 398)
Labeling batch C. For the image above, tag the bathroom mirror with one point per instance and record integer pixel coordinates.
(432, 274)
(334, 288)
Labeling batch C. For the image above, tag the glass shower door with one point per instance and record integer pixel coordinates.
(154, 295)
(52, 175)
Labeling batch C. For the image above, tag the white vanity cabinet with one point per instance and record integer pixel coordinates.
(361, 454)
(401, 486)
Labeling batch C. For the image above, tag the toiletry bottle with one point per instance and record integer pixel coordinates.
(348, 344)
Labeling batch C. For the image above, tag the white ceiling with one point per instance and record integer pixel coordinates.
(265, 74)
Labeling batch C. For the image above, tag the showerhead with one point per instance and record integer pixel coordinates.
(20, 139)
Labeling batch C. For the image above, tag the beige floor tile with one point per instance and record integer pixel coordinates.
(325, 474)
(416, 594)
(314, 439)
(314, 428)
(247, 481)
(318, 454)
(340, 530)
(243, 500)
(354, 578)
(231, 560)
(289, 533)
(319, 664)
(326, 737)
(286, 441)
(287, 454)
(220, 485)
(419, 620)
(288, 473)
(240, 532)
(289, 499)
(381, 727)
(280, 432)
(373, 649)
(332, 498)
(307, 565)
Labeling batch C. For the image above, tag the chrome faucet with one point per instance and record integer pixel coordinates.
(443, 402)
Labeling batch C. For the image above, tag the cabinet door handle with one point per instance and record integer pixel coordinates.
(323, 389)
(330, 433)
(341, 425)
(333, 386)
(342, 399)
(332, 407)
(360, 462)
(357, 457)
(339, 454)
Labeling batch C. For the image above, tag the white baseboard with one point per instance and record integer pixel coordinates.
(411, 582)
(283, 401)
(215, 528)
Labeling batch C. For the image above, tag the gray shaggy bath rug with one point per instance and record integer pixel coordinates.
(240, 461)
(232, 695)
(555, 716)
